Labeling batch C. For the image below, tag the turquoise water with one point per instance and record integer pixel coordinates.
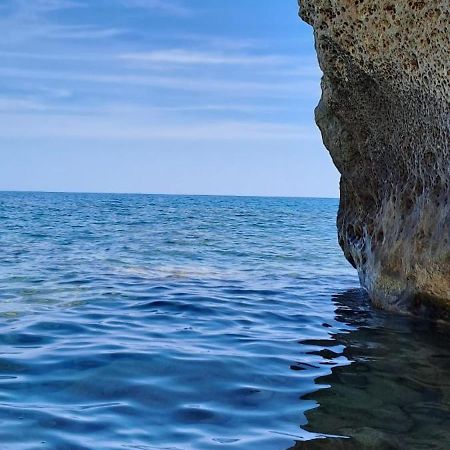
(165, 322)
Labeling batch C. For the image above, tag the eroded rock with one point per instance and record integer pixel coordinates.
(384, 117)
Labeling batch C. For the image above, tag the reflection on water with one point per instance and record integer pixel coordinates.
(396, 392)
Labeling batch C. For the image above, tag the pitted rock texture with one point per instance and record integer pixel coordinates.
(384, 117)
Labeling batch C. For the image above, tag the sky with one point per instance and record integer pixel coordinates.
(160, 96)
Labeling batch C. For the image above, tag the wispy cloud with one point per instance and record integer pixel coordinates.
(57, 56)
(167, 56)
(51, 107)
(164, 6)
(29, 21)
(46, 31)
(117, 127)
(248, 88)
(297, 67)
(20, 104)
(189, 57)
(83, 32)
(92, 86)
(44, 5)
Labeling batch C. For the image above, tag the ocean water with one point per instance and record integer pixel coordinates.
(177, 322)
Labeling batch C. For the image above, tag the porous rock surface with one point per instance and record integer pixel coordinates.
(384, 117)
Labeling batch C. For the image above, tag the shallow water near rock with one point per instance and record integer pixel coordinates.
(177, 322)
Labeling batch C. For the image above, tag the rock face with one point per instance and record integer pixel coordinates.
(384, 117)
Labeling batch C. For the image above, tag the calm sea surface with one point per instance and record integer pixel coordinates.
(165, 322)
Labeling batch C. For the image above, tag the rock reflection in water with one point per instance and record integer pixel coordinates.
(396, 392)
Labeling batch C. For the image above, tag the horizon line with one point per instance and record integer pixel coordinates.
(26, 191)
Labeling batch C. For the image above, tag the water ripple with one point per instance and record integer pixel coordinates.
(155, 322)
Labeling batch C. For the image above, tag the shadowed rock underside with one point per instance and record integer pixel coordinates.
(384, 117)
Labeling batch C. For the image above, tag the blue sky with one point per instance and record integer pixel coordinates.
(160, 96)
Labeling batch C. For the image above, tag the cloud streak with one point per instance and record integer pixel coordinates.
(189, 57)
(248, 88)
(36, 6)
(26, 21)
(196, 78)
(165, 6)
(116, 127)
(84, 32)
(20, 104)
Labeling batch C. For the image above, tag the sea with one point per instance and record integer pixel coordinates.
(151, 322)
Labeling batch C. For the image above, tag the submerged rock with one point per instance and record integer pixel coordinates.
(384, 117)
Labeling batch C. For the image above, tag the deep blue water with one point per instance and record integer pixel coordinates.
(165, 322)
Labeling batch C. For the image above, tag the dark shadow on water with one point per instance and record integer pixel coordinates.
(395, 394)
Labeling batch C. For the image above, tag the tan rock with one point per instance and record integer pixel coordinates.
(384, 117)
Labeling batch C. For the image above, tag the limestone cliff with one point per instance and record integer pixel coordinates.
(384, 117)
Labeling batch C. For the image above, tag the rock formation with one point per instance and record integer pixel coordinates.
(384, 117)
